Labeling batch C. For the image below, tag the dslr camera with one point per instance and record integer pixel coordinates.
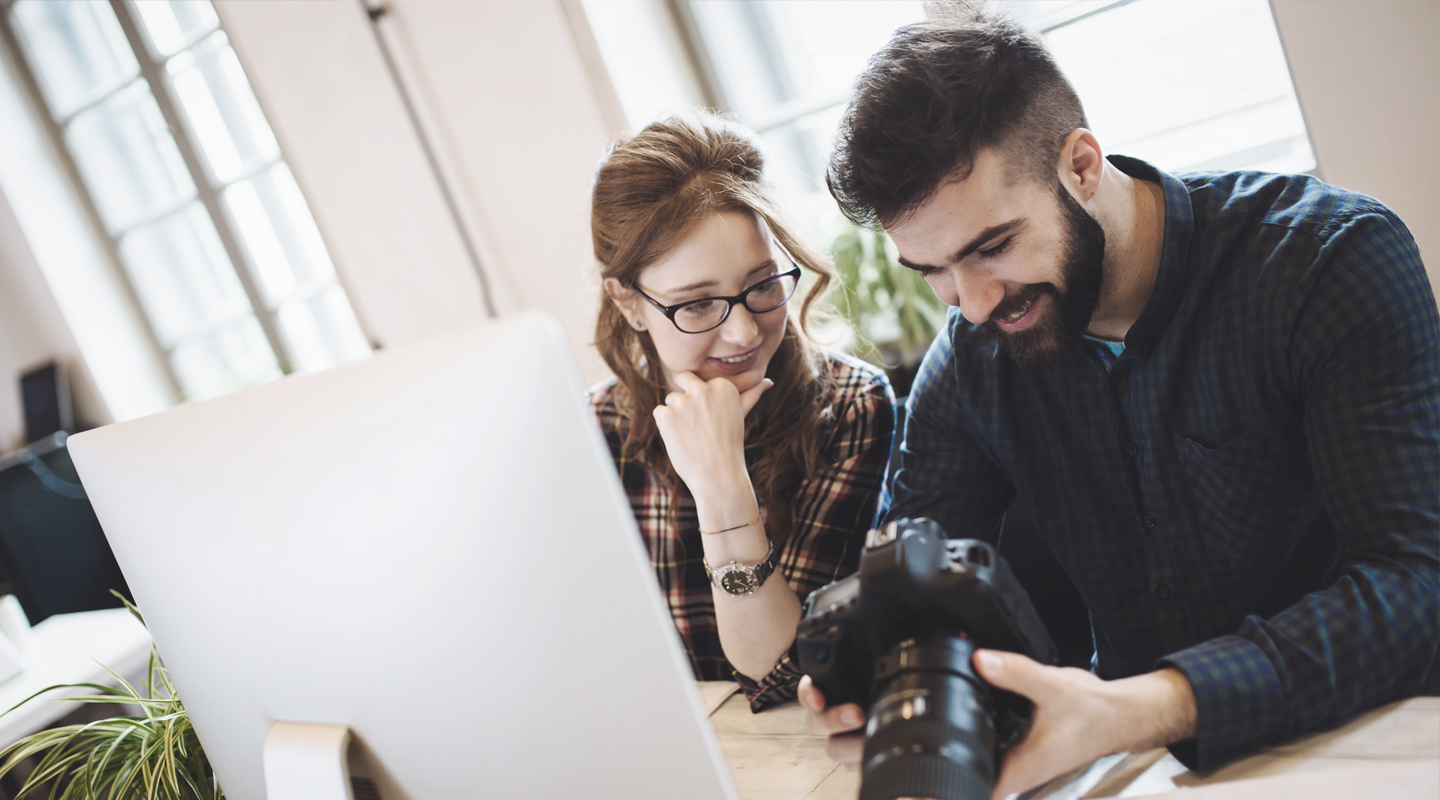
(897, 637)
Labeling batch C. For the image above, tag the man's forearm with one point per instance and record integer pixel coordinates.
(1161, 706)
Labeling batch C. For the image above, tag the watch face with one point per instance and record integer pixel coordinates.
(738, 581)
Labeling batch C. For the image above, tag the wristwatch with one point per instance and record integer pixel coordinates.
(740, 579)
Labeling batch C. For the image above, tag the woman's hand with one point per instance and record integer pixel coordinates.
(703, 426)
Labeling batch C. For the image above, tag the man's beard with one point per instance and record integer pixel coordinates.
(1060, 331)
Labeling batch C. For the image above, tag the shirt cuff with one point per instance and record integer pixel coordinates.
(1239, 700)
(776, 688)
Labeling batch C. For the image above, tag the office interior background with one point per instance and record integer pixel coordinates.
(200, 196)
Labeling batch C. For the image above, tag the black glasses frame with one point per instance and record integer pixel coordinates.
(669, 311)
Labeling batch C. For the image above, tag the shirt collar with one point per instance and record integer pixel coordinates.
(1170, 282)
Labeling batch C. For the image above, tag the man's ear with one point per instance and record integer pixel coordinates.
(1081, 164)
(626, 300)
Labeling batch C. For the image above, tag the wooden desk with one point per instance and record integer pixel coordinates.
(1392, 752)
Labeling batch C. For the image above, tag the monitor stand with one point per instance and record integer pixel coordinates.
(305, 761)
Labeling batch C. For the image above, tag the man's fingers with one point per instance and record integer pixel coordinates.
(847, 748)
(812, 698)
(751, 396)
(843, 718)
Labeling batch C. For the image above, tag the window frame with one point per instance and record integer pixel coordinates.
(209, 192)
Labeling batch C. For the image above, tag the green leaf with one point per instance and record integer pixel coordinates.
(155, 756)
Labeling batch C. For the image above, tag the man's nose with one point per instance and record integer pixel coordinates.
(739, 328)
(977, 294)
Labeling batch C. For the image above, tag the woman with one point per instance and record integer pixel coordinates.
(745, 449)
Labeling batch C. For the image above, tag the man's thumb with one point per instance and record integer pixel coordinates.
(1009, 671)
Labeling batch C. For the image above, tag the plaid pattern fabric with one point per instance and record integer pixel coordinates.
(833, 511)
(1252, 493)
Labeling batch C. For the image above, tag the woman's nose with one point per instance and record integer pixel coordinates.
(740, 327)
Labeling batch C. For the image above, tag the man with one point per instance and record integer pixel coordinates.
(1217, 394)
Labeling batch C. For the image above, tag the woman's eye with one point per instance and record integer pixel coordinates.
(997, 249)
(701, 309)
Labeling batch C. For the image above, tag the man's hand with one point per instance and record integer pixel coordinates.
(1079, 717)
(842, 724)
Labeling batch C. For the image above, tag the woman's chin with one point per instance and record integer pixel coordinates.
(746, 380)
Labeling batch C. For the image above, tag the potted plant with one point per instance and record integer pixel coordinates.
(153, 755)
(892, 311)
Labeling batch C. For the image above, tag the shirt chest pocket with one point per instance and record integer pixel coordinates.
(1252, 496)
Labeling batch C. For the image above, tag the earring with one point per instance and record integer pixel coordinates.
(636, 323)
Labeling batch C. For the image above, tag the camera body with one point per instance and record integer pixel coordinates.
(897, 637)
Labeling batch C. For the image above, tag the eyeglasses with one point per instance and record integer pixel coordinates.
(709, 313)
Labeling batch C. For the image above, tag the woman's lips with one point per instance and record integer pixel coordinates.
(728, 366)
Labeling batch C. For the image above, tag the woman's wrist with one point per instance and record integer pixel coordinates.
(725, 502)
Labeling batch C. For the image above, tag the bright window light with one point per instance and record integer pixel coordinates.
(1184, 85)
(211, 228)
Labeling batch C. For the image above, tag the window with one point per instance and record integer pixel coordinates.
(786, 68)
(188, 181)
(1187, 86)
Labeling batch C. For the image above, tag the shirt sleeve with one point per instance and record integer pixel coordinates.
(944, 473)
(1365, 366)
(833, 512)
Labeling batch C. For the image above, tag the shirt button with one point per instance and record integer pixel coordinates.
(1163, 591)
(1148, 521)
(1132, 449)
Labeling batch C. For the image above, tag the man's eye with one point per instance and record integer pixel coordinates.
(926, 272)
(997, 249)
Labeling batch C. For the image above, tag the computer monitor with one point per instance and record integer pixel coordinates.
(430, 547)
(53, 553)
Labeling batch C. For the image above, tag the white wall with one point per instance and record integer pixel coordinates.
(32, 331)
(1368, 76)
(504, 94)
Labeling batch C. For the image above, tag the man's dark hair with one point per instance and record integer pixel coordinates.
(937, 93)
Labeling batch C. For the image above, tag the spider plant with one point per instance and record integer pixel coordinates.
(894, 314)
(154, 755)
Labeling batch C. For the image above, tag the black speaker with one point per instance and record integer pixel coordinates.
(45, 393)
(52, 551)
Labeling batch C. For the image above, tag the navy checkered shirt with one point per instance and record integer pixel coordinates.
(1251, 494)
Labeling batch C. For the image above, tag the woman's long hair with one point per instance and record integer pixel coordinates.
(651, 192)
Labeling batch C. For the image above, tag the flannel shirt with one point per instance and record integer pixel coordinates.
(1251, 494)
(833, 511)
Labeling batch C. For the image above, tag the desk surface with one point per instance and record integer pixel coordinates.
(1392, 752)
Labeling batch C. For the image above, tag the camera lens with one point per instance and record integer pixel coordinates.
(930, 731)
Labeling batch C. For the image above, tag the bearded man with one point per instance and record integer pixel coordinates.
(1217, 394)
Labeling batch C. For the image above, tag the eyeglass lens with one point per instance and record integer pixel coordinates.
(766, 295)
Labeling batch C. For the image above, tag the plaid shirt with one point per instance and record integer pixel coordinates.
(1252, 494)
(833, 511)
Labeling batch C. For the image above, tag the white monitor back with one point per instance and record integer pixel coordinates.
(430, 547)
